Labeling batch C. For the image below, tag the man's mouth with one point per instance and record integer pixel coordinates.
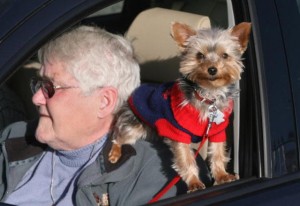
(42, 113)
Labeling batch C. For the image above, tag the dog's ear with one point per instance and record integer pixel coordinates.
(242, 32)
(181, 32)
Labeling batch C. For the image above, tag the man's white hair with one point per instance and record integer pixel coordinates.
(96, 58)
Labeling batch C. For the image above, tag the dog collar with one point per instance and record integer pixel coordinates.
(196, 94)
(202, 99)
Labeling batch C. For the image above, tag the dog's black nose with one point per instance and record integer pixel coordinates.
(212, 70)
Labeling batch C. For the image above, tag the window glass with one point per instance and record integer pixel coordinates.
(289, 17)
(113, 9)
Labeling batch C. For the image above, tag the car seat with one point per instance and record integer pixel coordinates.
(156, 51)
(216, 10)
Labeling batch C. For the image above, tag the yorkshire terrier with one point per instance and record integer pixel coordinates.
(197, 104)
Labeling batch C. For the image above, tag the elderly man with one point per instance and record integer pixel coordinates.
(61, 159)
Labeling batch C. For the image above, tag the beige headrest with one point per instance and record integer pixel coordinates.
(155, 49)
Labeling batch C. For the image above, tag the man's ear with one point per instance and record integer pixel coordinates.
(108, 97)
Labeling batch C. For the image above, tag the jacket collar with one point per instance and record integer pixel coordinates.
(20, 141)
(127, 152)
(21, 149)
(106, 171)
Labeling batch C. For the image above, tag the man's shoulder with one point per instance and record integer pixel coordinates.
(141, 153)
(155, 156)
(152, 149)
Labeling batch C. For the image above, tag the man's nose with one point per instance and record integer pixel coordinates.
(38, 98)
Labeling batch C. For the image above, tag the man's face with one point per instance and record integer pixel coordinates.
(68, 120)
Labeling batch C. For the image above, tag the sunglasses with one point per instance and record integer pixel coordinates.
(47, 86)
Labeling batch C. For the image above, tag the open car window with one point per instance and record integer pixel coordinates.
(157, 66)
(260, 147)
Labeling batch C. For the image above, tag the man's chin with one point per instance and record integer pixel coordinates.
(40, 137)
(44, 131)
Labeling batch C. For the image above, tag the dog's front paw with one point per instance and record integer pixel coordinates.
(226, 178)
(115, 153)
(195, 185)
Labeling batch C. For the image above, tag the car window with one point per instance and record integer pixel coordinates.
(113, 9)
(214, 10)
(246, 140)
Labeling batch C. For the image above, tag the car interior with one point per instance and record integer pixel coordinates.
(147, 26)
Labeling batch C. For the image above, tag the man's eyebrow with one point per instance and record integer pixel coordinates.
(47, 78)
(41, 75)
(44, 77)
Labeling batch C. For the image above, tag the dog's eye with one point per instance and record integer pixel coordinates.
(200, 56)
(225, 55)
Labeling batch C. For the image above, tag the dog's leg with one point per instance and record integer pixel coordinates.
(218, 162)
(127, 130)
(185, 165)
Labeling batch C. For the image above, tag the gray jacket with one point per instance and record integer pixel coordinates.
(142, 171)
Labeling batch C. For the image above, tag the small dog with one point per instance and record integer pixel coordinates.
(197, 104)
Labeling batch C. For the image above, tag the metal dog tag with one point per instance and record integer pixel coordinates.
(219, 117)
(215, 115)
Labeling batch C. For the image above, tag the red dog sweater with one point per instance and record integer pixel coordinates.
(159, 106)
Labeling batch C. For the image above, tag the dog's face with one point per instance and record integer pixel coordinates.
(211, 57)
